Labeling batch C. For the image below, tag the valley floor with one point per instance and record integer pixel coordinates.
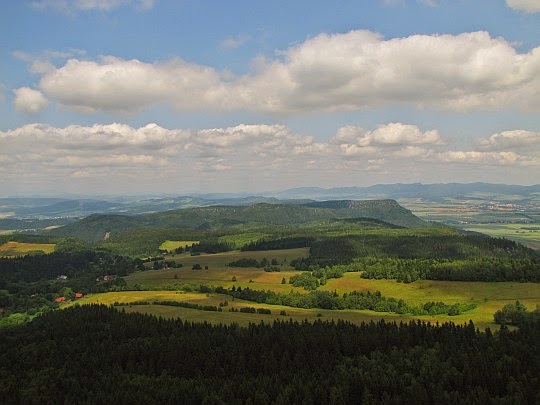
(489, 296)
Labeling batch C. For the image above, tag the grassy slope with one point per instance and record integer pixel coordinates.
(489, 296)
(481, 316)
(226, 317)
(9, 249)
(219, 274)
(526, 234)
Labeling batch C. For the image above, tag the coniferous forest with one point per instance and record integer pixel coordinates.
(97, 354)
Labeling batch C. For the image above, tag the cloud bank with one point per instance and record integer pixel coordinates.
(357, 70)
(119, 158)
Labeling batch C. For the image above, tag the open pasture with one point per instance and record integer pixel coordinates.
(219, 273)
(433, 290)
(490, 297)
(227, 317)
(10, 249)
(527, 234)
(482, 316)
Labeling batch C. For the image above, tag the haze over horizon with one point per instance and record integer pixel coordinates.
(182, 97)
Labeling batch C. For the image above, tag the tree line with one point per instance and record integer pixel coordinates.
(472, 269)
(353, 300)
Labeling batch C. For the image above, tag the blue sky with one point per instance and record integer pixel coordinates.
(137, 96)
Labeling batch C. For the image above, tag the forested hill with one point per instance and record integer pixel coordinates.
(95, 226)
(385, 210)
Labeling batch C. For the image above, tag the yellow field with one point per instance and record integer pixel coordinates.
(9, 249)
(431, 290)
(170, 245)
(226, 317)
(490, 297)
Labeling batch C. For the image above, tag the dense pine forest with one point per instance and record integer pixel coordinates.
(96, 354)
(408, 257)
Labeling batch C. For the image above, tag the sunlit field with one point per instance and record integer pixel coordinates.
(10, 249)
(527, 234)
(227, 317)
(489, 297)
(215, 270)
(170, 245)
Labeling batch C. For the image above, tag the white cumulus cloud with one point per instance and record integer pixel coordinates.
(361, 70)
(352, 71)
(397, 138)
(118, 85)
(487, 158)
(515, 139)
(399, 134)
(529, 6)
(29, 101)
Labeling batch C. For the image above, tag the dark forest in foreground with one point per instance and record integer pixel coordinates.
(96, 354)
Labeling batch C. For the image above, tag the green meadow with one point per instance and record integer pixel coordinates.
(216, 272)
(489, 296)
(527, 234)
(227, 317)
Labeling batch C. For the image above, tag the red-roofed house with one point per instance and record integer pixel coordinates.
(59, 299)
(78, 296)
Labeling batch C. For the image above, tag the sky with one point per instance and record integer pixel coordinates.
(119, 97)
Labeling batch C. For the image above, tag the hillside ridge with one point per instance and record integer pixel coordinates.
(95, 226)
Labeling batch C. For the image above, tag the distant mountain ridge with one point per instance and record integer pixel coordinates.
(45, 208)
(95, 226)
(413, 190)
